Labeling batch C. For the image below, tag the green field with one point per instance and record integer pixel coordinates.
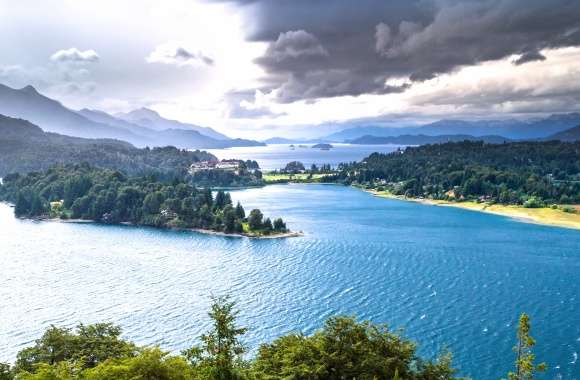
(300, 177)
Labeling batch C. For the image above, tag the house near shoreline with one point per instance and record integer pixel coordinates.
(56, 205)
(226, 165)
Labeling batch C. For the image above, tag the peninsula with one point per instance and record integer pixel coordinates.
(86, 193)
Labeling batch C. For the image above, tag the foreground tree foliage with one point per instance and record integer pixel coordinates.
(533, 174)
(525, 367)
(347, 349)
(220, 354)
(5, 372)
(343, 349)
(87, 347)
(109, 196)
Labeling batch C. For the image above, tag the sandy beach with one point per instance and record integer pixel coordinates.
(545, 216)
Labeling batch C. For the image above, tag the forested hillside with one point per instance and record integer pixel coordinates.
(24, 147)
(572, 134)
(110, 196)
(529, 173)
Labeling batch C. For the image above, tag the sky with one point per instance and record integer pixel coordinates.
(298, 68)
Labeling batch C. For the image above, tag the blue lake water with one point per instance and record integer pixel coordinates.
(450, 277)
(276, 156)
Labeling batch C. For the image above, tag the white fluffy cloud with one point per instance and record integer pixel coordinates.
(174, 54)
(75, 55)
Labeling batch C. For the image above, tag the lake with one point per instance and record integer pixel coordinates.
(276, 156)
(450, 277)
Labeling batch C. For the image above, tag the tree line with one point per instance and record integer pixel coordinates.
(533, 174)
(24, 148)
(110, 196)
(343, 349)
(248, 174)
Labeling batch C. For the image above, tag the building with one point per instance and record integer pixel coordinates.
(226, 165)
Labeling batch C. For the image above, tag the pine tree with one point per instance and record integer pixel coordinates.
(220, 200)
(525, 367)
(22, 206)
(220, 354)
(37, 206)
(240, 213)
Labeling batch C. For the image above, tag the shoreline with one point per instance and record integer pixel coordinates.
(283, 235)
(542, 216)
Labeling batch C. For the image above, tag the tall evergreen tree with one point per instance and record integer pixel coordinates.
(22, 206)
(220, 355)
(525, 367)
(240, 212)
(255, 220)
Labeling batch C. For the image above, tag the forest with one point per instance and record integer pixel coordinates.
(247, 175)
(24, 148)
(343, 349)
(110, 196)
(533, 174)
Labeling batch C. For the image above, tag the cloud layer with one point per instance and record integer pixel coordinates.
(273, 66)
(339, 47)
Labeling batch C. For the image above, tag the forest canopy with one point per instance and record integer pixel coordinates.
(539, 173)
(110, 196)
(343, 349)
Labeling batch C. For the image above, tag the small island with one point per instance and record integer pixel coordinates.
(322, 146)
(86, 193)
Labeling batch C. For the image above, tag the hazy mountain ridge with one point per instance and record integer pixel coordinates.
(424, 139)
(52, 116)
(572, 134)
(28, 104)
(184, 137)
(511, 129)
(148, 118)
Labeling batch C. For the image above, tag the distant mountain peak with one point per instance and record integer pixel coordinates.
(29, 89)
(145, 112)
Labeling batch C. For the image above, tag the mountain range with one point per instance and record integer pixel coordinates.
(142, 127)
(572, 134)
(148, 118)
(423, 139)
(145, 127)
(510, 129)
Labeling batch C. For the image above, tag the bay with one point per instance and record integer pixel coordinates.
(276, 156)
(450, 277)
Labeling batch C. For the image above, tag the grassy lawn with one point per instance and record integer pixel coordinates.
(277, 177)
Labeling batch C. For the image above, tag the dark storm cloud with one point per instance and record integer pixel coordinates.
(183, 55)
(530, 56)
(354, 47)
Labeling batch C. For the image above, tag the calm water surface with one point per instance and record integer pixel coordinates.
(276, 156)
(451, 278)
